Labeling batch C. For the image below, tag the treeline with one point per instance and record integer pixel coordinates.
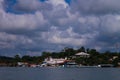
(12, 61)
(94, 59)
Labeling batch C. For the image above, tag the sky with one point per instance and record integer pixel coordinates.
(29, 27)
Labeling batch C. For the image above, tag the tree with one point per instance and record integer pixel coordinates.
(46, 54)
(17, 58)
(69, 52)
(82, 49)
(93, 52)
(26, 58)
(81, 60)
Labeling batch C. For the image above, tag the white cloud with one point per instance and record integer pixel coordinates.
(24, 21)
(31, 6)
(6, 40)
(97, 6)
(13, 41)
(111, 24)
(67, 37)
(58, 3)
(70, 19)
(1, 6)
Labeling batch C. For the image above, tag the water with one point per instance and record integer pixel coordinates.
(59, 73)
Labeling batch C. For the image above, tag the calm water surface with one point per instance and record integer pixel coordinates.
(59, 73)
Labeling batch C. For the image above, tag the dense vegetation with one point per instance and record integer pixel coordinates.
(94, 59)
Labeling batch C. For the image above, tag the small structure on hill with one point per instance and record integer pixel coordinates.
(82, 54)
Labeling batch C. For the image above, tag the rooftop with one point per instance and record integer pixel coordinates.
(82, 53)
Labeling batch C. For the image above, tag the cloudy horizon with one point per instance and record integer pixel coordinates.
(29, 27)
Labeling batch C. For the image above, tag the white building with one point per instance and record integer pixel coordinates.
(82, 54)
(53, 61)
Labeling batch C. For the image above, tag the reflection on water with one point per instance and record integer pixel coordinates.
(59, 74)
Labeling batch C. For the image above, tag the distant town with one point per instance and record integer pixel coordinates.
(68, 57)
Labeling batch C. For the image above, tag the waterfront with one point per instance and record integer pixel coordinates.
(20, 73)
